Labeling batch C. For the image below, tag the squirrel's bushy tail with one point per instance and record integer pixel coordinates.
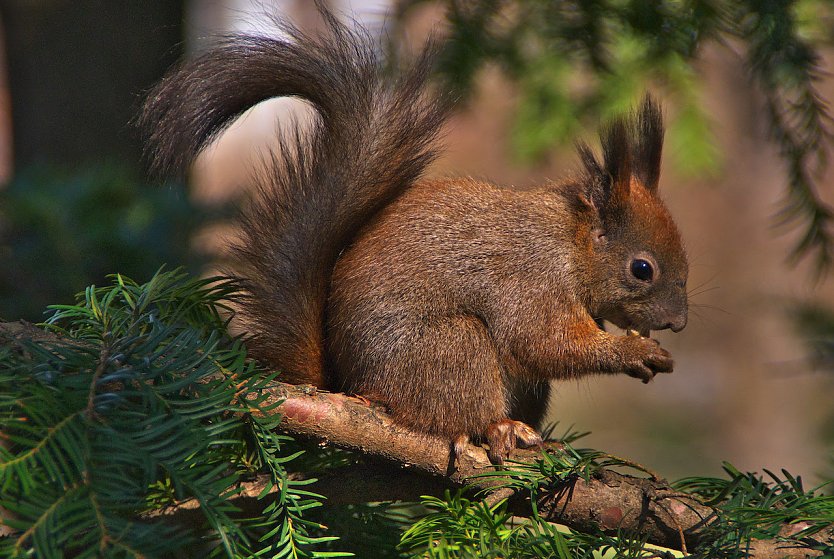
(372, 137)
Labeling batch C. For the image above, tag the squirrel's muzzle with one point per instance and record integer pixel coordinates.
(676, 322)
(679, 325)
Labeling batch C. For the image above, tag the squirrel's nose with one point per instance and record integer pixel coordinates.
(676, 313)
(678, 324)
(674, 322)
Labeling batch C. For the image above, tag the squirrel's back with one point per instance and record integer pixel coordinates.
(371, 139)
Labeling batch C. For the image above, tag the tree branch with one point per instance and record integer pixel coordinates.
(608, 500)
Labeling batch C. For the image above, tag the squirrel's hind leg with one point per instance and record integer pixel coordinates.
(447, 380)
(442, 377)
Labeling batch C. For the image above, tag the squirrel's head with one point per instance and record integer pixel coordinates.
(638, 265)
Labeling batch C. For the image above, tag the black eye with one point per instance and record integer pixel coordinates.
(642, 269)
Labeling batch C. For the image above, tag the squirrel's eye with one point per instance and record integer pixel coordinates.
(642, 269)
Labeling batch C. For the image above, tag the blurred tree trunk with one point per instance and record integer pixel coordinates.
(77, 70)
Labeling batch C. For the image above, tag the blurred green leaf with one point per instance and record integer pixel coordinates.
(62, 229)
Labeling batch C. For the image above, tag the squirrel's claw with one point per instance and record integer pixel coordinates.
(505, 435)
(459, 444)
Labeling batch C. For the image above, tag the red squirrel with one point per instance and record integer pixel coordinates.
(454, 302)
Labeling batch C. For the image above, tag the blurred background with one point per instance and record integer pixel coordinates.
(753, 383)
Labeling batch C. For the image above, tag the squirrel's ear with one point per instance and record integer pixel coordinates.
(594, 190)
(648, 143)
(631, 148)
(607, 184)
(616, 151)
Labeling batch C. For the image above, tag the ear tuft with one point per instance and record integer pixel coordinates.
(595, 182)
(616, 151)
(648, 142)
(589, 160)
(631, 148)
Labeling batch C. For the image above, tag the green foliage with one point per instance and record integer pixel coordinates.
(751, 506)
(66, 229)
(576, 62)
(748, 507)
(143, 402)
(369, 529)
(457, 527)
(787, 69)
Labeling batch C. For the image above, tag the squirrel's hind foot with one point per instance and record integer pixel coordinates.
(505, 435)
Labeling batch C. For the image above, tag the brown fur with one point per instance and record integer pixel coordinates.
(454, 302)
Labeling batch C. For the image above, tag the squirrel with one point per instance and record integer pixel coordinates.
(453, 302)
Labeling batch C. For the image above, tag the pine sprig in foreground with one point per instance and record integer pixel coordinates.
(749, 510)
(142, 402)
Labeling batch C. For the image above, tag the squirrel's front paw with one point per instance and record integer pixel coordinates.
(645, 358)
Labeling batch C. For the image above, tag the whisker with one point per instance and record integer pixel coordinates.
(709, 307)
(695, 293)
(705, 282)
(703, 319)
